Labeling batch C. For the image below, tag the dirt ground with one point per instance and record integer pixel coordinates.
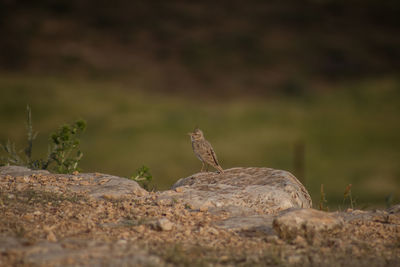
(44, 227)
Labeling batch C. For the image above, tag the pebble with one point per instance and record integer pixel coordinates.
(51, 237)
(178, 189)
(164, 224)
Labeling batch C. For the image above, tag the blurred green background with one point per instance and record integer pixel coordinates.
(311, 87)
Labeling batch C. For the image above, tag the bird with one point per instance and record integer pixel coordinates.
(204, 151)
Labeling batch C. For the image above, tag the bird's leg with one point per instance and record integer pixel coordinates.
(206, 167)
(202, 167)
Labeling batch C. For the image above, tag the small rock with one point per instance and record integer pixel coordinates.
(272, 238)
(300, 241)
(213, 231)
(122, 242)
(223, 258)
(21, 186)
(108, 197)
(294, 259)
(179, 189)
(28, 217)
(139, 228)
(84, 183)
(205, 206)
(164, 224)
(359, 211)
(51, 237)
(306, 223)
(103, 181)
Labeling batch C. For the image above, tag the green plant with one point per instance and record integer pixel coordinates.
(143, 177)
(64, 152)
(64, 149)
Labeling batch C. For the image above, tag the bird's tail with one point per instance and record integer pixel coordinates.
(219, 168)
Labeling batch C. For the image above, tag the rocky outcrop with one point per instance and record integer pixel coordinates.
(97, 219)
(95, 185)
(241, 191)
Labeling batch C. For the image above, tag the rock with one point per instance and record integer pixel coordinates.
(178, 189)
(300, 241)
(255, 223)
(394, 209)
(93, 184)
(294, 259)
(163, 224)
(51, 236)
(109, 186)
(364, 215)
(306, 223)
(19, 171)
(241, 191)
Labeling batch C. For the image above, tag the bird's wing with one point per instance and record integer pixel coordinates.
(211, 153)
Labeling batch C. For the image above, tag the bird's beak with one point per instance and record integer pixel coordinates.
(189, 133)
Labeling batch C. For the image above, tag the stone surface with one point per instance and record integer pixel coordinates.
(19, 171)
(251, 223)
(306, 223)
(241, 191)
(163, 224)
(100, 185)
(45, 223)
(95, 185)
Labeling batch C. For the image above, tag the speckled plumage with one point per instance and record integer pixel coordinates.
(204, 151)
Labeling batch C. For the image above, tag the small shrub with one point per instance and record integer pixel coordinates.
(64, 152)
(143, 177)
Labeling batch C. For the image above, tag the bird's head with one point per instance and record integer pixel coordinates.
(197, 134)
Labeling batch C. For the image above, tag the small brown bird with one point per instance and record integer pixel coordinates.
(204, 151)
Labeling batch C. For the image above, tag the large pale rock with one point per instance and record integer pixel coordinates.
(241, 191)
(307, 223)
(96, 185)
